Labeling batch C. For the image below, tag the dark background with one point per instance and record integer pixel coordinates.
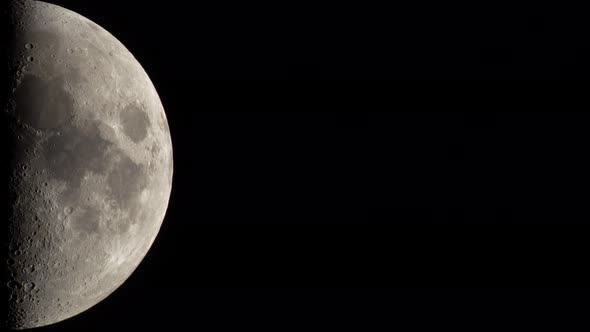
(189, 41)
(326, 204)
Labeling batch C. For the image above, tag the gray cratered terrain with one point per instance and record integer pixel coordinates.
(90, 170)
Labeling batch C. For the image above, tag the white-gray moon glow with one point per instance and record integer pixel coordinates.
(92, 166)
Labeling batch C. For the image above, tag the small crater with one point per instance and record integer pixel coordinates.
(28, 287)
(29, 46)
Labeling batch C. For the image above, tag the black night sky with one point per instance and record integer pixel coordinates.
(309, 196)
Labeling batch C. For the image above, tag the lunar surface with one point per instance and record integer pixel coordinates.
(90, 169)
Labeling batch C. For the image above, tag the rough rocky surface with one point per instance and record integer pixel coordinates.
(91, 170)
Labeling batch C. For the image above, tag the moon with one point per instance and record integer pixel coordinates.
(91, 164)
